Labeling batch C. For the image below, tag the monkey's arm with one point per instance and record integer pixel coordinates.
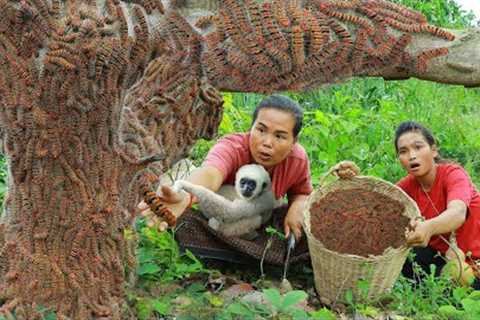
(242, 208)
(214, 205)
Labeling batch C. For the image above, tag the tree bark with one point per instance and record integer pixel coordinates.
(94, 101)
(461, 66)
(276, 46)
(98, 98)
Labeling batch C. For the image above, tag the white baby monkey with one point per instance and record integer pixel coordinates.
(239, 210)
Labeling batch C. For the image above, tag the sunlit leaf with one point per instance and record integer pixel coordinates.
(323, 314)
(238, 308)
(274, 297)
(293, 297)
(161, 307)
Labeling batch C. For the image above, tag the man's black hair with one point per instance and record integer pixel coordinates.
(285, 104)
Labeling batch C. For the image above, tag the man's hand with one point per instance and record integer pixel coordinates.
(177, 202)
(294, 219)
(419, 233)
(346, 169)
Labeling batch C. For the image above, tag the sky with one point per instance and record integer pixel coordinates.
(473, 5)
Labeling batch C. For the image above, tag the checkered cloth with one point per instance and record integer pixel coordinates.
(194, 234)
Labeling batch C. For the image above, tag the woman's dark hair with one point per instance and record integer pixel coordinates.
(409, 126)
(285, 104)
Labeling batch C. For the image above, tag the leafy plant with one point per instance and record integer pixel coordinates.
(323, 314)
(146, 307)
(467, 305)
(160, 259)
(271, 231)
(286, 304)
(278, 306)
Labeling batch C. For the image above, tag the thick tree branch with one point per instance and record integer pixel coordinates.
(460, 66)
(280, 46)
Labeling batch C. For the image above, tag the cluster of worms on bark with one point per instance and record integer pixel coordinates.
(296, 44)
(358, 221)
(92, 97)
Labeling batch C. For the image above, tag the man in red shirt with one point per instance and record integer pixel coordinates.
(272, 143)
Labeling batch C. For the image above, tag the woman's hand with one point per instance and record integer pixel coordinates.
(419, 233)
(293, 221)
(346, 169)
(177, 202)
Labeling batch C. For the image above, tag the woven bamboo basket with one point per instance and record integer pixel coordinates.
(335, 273)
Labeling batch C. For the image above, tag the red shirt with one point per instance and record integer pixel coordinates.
(291, 176)
(451, 183)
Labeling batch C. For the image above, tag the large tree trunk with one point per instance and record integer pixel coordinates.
(98, 97)
(92, 107)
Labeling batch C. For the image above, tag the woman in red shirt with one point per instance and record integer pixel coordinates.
(444, 193)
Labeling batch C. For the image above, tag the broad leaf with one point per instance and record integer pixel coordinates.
(148, 268)
(293, 297)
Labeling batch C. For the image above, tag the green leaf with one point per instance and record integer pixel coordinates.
(363, 286)
(148, 268)
(299, 314)
(239, 308)
(449, 312)
(471, 306)
(146, 254)
(460, 293)
(349, 296)
(144, 309)
(161, 307)
(274, 297)
(322, 119)
(323, 314)
(215, 300)
(475, 295)
(293, 297)
(369, 311)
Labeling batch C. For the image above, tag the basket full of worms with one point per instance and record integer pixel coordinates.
(356, 232)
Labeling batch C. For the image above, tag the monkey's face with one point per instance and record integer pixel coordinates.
(251, 181)
(249, 188)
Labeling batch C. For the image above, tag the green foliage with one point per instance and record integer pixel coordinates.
(271, 231)
(357, 121)
(278, 306)
(323, 314)
(46, 313)
(361, 305)
(467, 306)
(146, 307)
(159, 257)
(443, 13)
(284, 303)
(433, 297)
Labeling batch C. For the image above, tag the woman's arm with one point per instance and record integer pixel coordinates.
(294, 219)
(208, 177)
(449, 220)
